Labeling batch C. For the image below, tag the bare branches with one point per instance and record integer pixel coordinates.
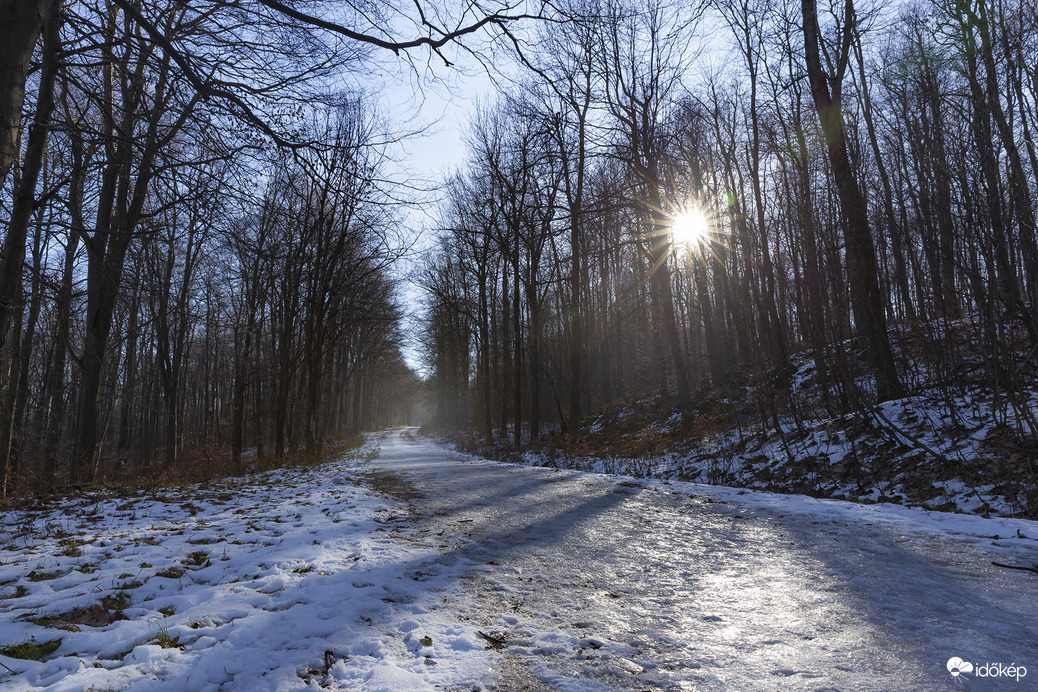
(437, 38)
(241, 96)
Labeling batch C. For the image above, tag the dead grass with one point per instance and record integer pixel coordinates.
(101, 614)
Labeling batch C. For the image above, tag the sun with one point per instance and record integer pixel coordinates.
(690, 227)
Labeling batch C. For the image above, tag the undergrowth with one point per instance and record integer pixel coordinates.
(207, 465)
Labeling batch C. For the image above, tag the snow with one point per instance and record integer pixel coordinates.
(481, 575)
(920, 450)
(288, 565)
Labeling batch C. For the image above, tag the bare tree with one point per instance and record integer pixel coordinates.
(827, 91)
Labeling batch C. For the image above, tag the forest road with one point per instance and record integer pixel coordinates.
(588, 582)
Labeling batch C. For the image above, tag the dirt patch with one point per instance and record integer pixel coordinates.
(393, 484)
(98, 615)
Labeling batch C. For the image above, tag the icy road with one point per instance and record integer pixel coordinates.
(596, 582)
(403, 566)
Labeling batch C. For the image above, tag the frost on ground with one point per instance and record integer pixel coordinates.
(480, 575)
(600, 582)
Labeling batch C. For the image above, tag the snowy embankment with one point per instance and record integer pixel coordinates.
(283, 580)
(970, 451)
(483, 575)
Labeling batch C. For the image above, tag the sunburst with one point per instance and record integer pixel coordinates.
(690, 227)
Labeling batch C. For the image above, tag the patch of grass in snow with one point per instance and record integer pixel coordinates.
(31, 650)
(205, 540)
(62, 534)
(41, 575)
(319, 673)
(97, 615)
(70, 548)
(192, 508)
(171, 573)
(116, 603)
(45, 621)
(18, 592)
(198, 558)
(165, 641)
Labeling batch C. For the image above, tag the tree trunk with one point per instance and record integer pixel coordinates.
(1020, 192)
(770, 318)
(130, 378)
(21, 22)
(901, 275)
(104, 274)
(1008, 286)
(517, 336)
(506, 348)
(10, 442)
(866, 297)
(661, 255)
(20, 25)
(483, 363)
(535, 358)
(56, 368)
(240, 390)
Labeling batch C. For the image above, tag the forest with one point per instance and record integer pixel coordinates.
(751, 214)
(706, 359)
(198, 239)
(697, 205)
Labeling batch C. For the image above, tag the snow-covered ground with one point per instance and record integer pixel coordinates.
(480, 575)
(284, 580)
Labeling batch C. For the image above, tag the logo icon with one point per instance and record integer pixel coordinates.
(956, 666)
